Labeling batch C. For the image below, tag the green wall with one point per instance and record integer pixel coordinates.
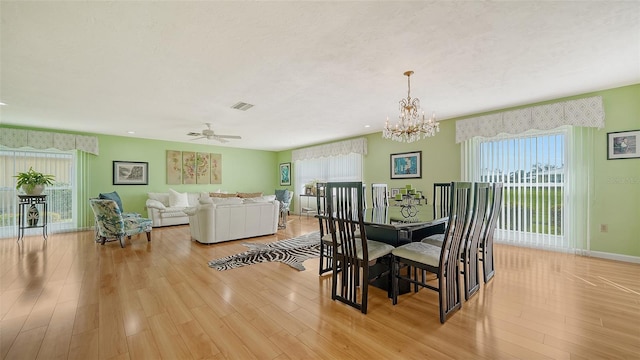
(616, 200)
(617, 182)
(243, 170)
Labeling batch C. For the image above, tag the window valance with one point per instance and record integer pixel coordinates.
(358, 146)
(587, 112)
(18, 138)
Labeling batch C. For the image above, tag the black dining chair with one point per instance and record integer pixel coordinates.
(351, 255)
(470, 245)
(326, 247)
(441, 199)
(443, 261)
(379, 196)
(486, 244)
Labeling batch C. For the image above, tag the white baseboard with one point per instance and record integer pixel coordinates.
(612, 256)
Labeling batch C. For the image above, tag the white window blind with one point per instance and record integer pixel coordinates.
(533, 168)
(346, 167)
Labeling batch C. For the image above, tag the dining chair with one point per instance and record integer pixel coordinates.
(326, 243)
(471, 241)
(379, 197)
(364, 195)
(352, 255)
(486, 244)
(442, 261)
(441, 198)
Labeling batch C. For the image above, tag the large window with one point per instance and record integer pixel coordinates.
(533, 170)
(59, 195)
(333, 168)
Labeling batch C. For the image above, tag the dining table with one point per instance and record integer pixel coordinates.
(399, 224)
(396, 225)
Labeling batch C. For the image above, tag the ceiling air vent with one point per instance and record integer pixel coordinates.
(242, 106)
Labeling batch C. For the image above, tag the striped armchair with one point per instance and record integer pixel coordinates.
(110, 224)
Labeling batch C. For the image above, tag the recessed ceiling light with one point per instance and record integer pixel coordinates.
(367, 126)
(131, 132)
(2, 104)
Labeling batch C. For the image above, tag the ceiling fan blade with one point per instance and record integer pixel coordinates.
(229, 136)
(198, 138)
(218, 138)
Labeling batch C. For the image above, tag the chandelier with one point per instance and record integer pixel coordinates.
(412, 125)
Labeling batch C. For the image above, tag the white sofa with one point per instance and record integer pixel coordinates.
(160, 209)
(215, 220)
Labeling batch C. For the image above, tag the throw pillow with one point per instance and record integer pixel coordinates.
(249, 195)
(206, 200)
(282, 195)
(112, 196)
(155, 204)
(177, 199)
(221, 195)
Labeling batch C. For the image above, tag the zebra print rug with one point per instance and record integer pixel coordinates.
(292, 252)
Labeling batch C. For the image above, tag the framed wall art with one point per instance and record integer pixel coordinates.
(130, 173)
(623, 145)
(285, 174)
(406, 165)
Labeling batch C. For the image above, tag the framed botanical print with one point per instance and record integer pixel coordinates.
(285, 174)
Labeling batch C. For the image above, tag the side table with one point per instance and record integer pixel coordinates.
(29, 216)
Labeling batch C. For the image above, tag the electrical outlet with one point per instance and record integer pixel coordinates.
(604, 228)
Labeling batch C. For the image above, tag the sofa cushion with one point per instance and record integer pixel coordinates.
(249, 195)
(259, 199)
(227, 201)
(112, 196)
(177, 199)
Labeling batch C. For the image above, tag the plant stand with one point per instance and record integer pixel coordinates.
(28, 215)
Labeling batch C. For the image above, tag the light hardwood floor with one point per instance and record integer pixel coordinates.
(73, 298)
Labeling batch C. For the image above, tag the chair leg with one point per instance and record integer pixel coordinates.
(395, 268)
(365, 285)
(102, 240)
(148, 236)
(121, 238)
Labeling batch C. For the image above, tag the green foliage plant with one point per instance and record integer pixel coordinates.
(31, 179)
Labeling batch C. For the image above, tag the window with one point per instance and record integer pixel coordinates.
(333, 168)
(532, 167)
(59, 195)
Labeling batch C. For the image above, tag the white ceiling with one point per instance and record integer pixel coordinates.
(315, 71)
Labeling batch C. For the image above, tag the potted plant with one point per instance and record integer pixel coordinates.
(33, 182)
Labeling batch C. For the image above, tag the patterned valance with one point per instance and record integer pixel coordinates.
(587, 112)
(358, 146)
(18, 138)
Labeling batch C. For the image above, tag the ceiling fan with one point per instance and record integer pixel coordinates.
(209, 134)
